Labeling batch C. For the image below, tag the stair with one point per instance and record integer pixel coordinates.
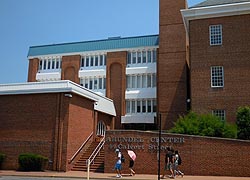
(96, 166)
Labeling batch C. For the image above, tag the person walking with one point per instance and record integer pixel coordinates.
(118, 164)
(132, 157)
(177, 162)
(169, 163)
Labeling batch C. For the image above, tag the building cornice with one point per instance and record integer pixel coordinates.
(102, 104)
(213, 12)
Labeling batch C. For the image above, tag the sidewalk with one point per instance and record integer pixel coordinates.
(83, 175)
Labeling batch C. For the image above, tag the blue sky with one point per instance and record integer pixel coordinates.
(25, 23)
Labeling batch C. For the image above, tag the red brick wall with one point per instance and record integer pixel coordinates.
(171, 65)
(233, 55)
(116, 83)
(21, 116)
(200, 155)
(33, 68)
(70, 68)
(80, 124)
(52, 125)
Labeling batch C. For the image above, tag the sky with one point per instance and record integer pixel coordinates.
(25, 23)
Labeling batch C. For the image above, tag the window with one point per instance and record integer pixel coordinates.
(217, 76)
(215, 32)
(141, 81)
(129, 58)
(95, 83)
(93, 60)
(220, 113)
(140, 106)
(138, 57)
(50, 64)
(134, 57)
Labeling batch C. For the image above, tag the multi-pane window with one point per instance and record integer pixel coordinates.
(93, 83)
(50, 64)
(217, 76)
(93, 61)
(220, 113)
(215, 33)
(140, 106)
(142, 56)
(141, 81)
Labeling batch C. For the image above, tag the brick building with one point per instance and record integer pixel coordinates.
(199, 61)
(219, 56)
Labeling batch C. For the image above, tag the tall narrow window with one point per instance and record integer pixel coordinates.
(217, 76)
(96, 60)
(91, 61)
(128, 107)
(144, 58)
(149, 106)
(138, 106)
(128, 81)
(82, 62)
(138, 57)
(134, 57)
(133, 106)
(149, 84)
(40, 65)
(100, 83)
(101, 60)
(129, 58)
(215, 33)
(149, 56)
(138, 81)
(154, 55)
(87, 61)
(144, 81)
(133, 81)
(143, 106)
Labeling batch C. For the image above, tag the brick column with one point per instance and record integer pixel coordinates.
(171, 65)
(70, 68)
(33, 68)
(116, 83)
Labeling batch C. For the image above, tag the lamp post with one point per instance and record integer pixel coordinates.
(159, 147)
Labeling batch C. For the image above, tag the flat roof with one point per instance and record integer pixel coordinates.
(102, 104)
(113, 43)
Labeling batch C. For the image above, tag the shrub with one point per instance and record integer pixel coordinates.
(243, 122)
(204, 125)
(2, 157)
(31, 162)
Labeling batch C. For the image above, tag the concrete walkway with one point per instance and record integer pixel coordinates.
(83, 175)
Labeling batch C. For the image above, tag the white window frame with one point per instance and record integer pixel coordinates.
(216, 78)
(215, 35)
(221, 113)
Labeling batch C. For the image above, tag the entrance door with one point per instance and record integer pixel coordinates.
(101, 129)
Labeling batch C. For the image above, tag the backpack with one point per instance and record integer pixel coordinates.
(179, 160)
(122, 159)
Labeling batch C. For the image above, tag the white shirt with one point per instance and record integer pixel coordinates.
(119, 161)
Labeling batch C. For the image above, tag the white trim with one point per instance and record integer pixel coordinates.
(214, 11)
(138, 118)
(102, 103)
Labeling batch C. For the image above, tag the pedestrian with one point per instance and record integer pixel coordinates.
(169, 163)
(131, 165)
(177, 162)
(132, 157)
(118, 164)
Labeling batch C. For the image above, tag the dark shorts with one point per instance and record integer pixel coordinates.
(131, 164)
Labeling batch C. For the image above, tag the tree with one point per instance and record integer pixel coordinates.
(204, 125)
(243, 122)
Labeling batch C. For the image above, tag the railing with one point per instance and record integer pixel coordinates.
(94, 154)
(80, 148)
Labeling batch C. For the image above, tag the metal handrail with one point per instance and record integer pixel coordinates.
(97, 150)
(80, 148)
(94, 154)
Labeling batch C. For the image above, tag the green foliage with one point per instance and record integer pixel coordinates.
(204, 125)
(2, 157)
(31, 162)
(243, 122)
